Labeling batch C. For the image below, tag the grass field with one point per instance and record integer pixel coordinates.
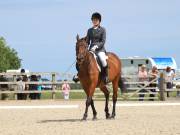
(81, 95)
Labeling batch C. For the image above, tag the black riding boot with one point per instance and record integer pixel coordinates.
(106, 79)
(76, 78)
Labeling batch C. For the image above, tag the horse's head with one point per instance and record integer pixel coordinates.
(81, 49)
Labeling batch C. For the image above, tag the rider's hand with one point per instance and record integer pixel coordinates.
(94, 48)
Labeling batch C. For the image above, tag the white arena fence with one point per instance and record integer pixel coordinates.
(133, 86)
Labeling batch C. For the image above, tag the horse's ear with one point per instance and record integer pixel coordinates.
(85, 38)
(77, 37)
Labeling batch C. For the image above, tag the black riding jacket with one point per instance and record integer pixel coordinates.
(97, 37)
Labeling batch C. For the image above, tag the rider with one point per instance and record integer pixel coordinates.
(96, 37)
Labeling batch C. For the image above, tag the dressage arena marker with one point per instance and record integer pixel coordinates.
(146, 104)
(42, 107)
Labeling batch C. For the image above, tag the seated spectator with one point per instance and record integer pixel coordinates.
(169, 76)
(66, 89)
(153, 75)
(143, 76)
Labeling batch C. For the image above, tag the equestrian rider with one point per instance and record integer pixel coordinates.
(96, 37)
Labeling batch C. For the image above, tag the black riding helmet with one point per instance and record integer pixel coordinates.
(96, 15)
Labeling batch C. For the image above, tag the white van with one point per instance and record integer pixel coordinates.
(131, 65)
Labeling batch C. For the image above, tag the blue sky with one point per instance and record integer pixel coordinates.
(43, 31)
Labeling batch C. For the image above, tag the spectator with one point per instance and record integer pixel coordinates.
(3, 87)
(24, 79)
(39, 87)
(153, 75)
(23, 71)
(33, 87)
(66, 89)
(169, 76)
(143, 76)
(20, 88)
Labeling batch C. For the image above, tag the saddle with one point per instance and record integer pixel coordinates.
(98, 61)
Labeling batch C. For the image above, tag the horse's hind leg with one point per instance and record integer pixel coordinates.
(93, 109)
(106, 94)
(114, 98)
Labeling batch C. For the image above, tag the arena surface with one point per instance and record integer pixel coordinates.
(130, 120)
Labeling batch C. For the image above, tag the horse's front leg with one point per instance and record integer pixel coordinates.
(94, 110)
(88, 102)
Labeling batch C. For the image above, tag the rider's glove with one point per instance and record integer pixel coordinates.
(94, 48)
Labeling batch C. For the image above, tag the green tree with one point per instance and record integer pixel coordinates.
(8, 57)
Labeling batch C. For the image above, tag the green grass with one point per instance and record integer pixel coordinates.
(48, 95)
(80, 95)
(73, 95)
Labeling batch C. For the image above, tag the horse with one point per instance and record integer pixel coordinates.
(90, 77)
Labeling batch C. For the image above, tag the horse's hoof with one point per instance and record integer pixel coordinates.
(94, 118)
(108, 116)
(83, 119)
(112, 117)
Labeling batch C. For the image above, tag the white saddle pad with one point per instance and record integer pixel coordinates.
(95, 57)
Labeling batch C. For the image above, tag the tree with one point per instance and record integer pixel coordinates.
(8, 57)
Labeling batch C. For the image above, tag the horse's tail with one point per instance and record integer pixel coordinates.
(122, 85)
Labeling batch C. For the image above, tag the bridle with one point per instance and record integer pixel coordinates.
(80, 58)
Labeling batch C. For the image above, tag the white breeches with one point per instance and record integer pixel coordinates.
(66, 96)
(102, 56)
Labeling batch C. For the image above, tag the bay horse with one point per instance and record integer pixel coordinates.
(90, 77)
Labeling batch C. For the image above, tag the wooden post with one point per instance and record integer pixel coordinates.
(162, 87)
(0, 93)
(53, 86)
(15, 87)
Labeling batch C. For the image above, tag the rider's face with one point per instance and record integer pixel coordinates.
(95, 22)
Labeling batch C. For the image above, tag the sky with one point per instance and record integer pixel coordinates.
(44, 31)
